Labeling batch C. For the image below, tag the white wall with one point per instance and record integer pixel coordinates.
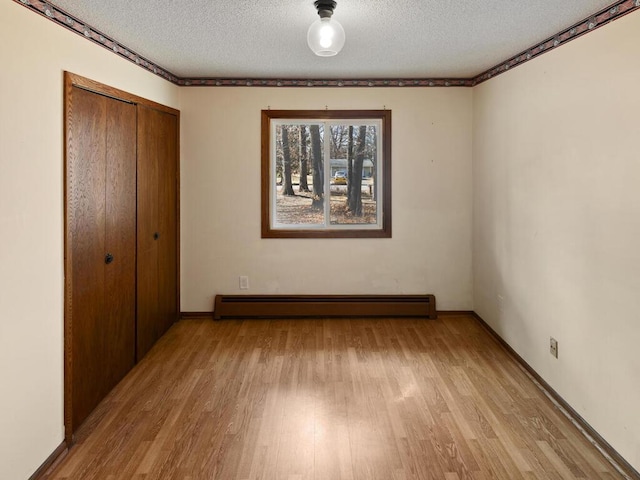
(556, 189)
(430, 251)
(33, 55)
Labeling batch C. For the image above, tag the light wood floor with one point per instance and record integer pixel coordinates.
(329, 399)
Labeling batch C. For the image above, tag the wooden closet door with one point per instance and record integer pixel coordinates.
(157, 296)
(101, 229)
(168, 222)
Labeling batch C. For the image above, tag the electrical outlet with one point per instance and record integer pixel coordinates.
(244, 282)
(553, 347)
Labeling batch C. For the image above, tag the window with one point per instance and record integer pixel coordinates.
(326, 173)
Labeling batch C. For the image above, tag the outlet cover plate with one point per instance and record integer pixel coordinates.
(553, 347)
(500, 303)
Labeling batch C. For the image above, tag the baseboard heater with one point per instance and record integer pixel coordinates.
(282, 306)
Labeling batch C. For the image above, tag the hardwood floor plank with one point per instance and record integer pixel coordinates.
(325, 399)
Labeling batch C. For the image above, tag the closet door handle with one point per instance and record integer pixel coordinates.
(108, 258)
(156, 236)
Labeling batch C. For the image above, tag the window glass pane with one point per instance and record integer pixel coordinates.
(353, 174)
(298, 174)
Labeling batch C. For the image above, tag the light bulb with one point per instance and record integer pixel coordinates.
(326, 37)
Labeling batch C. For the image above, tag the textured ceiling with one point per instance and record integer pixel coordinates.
(385, 39)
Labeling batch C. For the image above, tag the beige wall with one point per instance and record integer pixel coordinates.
(33, 55)
(430, 251)
(556, 188)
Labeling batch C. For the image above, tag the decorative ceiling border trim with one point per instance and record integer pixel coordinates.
(616, 10)
(302, 82)
(600, 19)
(64, 19)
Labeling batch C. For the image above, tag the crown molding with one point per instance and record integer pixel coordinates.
(615, 11)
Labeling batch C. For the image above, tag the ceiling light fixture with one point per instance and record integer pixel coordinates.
(325, 36)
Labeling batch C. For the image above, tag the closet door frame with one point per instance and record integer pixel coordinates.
(71, 81)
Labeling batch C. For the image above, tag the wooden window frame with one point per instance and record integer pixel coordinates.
(384, 116)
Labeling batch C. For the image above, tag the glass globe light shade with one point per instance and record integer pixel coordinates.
(326, 37)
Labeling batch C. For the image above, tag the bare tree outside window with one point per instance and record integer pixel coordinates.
(304, 159)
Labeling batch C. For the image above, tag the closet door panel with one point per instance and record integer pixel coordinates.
(168, 218)
(86, 196)
(102, 298)
(157, 225)
(120, 276)
(148, 309)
